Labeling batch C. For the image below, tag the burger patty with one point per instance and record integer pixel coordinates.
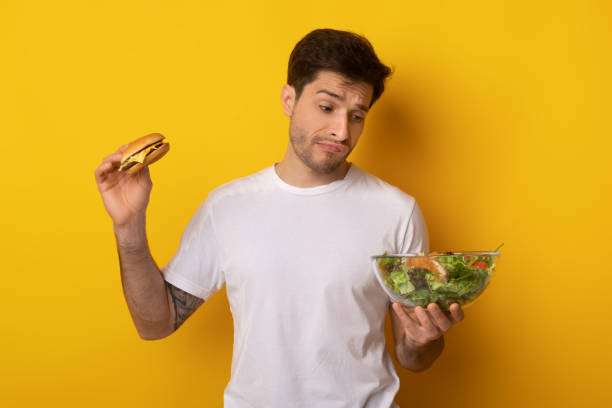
(129, 165)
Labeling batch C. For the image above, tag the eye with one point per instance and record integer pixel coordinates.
(358, 118)
(325, 108)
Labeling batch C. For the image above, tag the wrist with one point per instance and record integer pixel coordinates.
(131, 235)
(412, 345)
(417, 356)
(411, 348)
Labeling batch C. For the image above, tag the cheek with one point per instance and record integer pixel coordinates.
(317, 122)
(300, 132)
(356, 131)
(311, 123)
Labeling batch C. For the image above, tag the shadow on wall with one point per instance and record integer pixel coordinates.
(428, 138)
(395, 144)
(400, 146)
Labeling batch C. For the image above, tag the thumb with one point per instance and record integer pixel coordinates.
(145, 176)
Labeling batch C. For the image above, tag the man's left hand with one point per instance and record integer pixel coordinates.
(422, 326)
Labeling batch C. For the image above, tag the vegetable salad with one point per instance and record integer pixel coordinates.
(439, 278)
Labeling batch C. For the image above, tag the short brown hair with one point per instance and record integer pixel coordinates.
(342, 52)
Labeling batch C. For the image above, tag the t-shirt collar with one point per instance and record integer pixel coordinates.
(325, 188)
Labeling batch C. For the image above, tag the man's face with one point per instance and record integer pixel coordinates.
(327, 120)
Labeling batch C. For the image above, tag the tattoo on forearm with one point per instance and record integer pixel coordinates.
(184, 304)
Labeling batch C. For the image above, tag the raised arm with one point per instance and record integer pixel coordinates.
(157, 308)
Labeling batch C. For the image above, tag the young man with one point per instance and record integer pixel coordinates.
(292, 243)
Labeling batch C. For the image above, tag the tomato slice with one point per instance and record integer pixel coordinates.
(480, 265)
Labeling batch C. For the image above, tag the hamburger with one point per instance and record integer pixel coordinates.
(142, 152)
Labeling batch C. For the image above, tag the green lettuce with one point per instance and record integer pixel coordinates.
(399, 280)
(464, 281)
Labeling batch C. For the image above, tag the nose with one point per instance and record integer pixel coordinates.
(339, 128)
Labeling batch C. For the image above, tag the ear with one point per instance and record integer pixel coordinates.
(288, 99)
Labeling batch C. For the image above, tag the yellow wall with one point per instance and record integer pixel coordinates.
(497, 120)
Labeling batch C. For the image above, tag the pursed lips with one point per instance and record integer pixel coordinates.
(332, 147)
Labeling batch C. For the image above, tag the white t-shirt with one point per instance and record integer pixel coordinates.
(308, 311)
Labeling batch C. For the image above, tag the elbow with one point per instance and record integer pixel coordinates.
(150, 336)
(154, 334)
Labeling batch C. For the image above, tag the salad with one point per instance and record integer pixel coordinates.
(442, 278)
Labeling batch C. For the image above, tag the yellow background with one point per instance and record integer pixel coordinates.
(497, 120)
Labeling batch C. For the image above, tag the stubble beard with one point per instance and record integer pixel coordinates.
(303, 150)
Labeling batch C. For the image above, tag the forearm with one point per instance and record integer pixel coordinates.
(144, 287)
(418, 358)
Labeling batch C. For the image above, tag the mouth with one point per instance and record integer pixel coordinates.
(331, 147)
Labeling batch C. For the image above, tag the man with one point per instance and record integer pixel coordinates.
(292, 243)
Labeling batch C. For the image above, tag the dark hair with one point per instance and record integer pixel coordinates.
(342, 52)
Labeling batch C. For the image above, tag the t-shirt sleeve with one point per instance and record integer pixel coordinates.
(196, 266)
(416, 237)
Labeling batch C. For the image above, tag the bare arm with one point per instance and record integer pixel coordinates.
(143, 284)
(157, 308)
(419, 333)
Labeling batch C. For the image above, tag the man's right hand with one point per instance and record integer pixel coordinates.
(125, 196)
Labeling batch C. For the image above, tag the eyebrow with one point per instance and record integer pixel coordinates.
(333, 95)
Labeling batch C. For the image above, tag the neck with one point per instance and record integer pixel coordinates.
(295, 173)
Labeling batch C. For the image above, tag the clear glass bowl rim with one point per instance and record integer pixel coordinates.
(414, 255)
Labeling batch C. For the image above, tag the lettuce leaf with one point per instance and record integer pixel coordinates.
(400, 282)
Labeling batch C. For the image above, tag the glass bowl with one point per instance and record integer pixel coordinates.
(440, 277)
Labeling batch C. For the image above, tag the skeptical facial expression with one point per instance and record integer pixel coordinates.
(328, 119)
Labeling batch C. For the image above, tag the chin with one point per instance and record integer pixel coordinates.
(327, 167)
(320, 162)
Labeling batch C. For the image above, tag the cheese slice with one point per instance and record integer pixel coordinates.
(140, 157)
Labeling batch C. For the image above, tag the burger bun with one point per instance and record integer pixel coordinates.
(142, 143)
